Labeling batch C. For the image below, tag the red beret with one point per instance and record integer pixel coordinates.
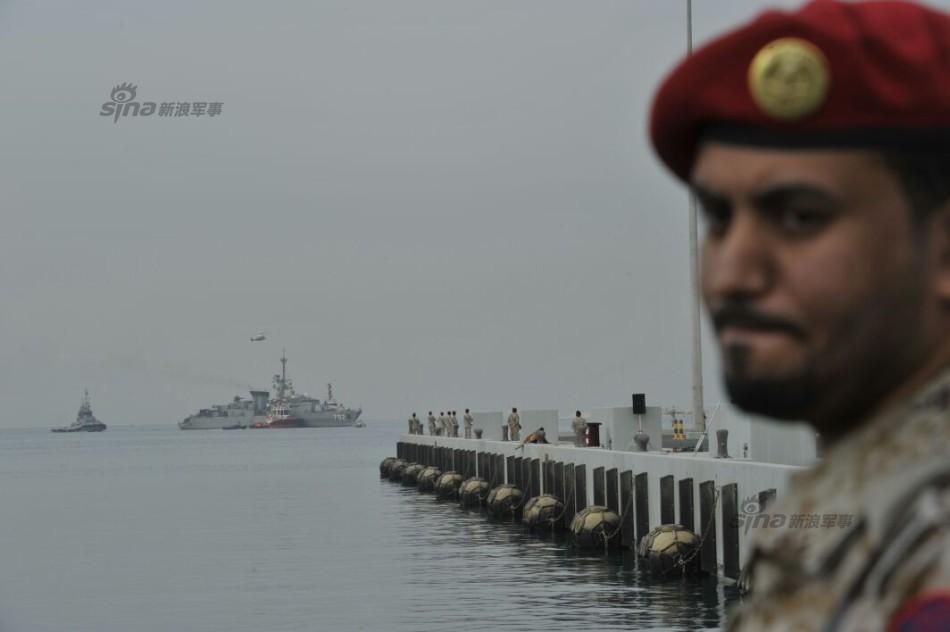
(829, 74)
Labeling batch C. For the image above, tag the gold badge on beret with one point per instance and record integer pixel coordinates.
(789, 78)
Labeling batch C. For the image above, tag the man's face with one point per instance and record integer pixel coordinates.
(814, 278)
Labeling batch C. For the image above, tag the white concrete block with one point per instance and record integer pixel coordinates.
(619, 425)
(768, 440)
(490, 423)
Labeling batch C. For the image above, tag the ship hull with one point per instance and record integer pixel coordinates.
(321, 419)
(196, 422)
(98, 428)
(309, 418)
(286, 422)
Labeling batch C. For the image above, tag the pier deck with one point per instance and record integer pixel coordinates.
(718, 497)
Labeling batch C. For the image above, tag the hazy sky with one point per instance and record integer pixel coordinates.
(433, 204)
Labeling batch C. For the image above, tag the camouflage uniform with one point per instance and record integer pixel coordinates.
(468, 421)
(868, 528)
(514, 426)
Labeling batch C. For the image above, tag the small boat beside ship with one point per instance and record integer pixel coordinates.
(279, 416)
(85, 420)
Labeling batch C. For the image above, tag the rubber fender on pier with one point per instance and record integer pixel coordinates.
(473, 492)
(671, 549)
(505, 500)
(396, 469)
(447, 485)
(543, 511)
(427, 478)
(596, 527)
(411, 473)
(385, 466)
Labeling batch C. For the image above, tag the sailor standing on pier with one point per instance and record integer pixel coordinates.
(443, 424)
(432, 428)
(414, 425)
(817, 142)
(454, 423)
(579, 426)
(468, 420)
(514, 425)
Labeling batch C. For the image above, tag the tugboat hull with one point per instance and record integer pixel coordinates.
(288, 422)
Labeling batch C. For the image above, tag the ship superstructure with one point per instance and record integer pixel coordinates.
(240, 412)
(314, 414)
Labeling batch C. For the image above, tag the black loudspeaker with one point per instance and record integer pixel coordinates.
(639, 404)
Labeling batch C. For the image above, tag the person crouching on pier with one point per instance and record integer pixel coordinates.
(538, 436)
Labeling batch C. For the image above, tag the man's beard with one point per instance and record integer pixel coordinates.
(786, 397)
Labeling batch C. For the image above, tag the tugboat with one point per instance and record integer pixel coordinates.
(279, 416)
(85, 420)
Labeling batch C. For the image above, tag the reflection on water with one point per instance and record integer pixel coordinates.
(155, 529)
(507, 578)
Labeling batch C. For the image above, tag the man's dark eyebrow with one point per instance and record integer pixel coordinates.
(778, 195)
(708, 195)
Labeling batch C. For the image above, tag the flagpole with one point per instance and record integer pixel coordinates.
(699, 417)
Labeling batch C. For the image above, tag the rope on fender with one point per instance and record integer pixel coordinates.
(626, 511)
(524, 492)
(683, 561)
(563, 510)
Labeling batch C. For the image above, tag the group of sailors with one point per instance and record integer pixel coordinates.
(447, 424)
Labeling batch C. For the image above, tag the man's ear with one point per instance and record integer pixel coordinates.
(940, 242)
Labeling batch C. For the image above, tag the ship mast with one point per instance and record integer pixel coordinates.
(283, 373)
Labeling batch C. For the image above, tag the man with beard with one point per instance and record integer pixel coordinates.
(818, 145)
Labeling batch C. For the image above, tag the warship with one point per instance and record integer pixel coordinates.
(85, 420)
(287, 409)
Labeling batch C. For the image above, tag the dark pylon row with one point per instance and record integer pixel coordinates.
(596, 527)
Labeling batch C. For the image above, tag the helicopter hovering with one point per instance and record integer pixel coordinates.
(258, 337)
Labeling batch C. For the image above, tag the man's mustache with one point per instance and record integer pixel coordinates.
(748, 318)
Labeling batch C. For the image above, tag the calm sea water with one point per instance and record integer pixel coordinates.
(152, 528)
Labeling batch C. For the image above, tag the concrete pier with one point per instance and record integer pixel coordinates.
(647, 489)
